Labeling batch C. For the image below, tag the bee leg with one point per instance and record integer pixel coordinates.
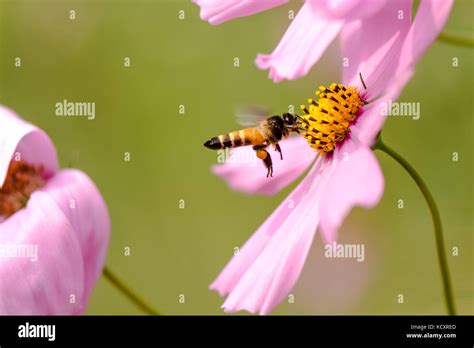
(278, 148)
(265, 157)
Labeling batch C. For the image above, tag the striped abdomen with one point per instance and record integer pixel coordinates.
(247, 136)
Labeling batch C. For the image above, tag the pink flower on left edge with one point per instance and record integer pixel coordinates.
(267, 267)
(54, 226)
(316, 25)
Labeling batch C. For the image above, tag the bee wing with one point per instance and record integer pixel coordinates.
(251, 116)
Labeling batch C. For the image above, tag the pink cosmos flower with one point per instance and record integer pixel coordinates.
(54, 226)
(316, 25)
(269, 264)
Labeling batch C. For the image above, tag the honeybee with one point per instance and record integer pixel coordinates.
(269, 131)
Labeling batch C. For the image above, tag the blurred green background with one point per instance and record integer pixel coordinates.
(180, 251)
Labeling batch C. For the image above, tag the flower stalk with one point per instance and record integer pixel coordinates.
(438, 229)
(456, 39)
(132, 296)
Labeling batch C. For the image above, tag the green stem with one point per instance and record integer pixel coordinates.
(438, 230)
(139, 302)
(456, 40)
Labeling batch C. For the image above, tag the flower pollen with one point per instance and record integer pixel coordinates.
(22, 179)
(327, 121)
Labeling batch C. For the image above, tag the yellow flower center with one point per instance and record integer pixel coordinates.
(327, 121)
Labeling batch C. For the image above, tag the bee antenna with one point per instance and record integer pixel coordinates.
(301, 118)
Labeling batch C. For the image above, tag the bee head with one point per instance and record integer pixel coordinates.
(289, 119)
(292, 122)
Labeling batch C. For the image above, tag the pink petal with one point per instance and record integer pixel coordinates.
(304, 42)
(370, 122)
(246, 173)
(32, 144)
(429, 21)
(355, 179)
(44, 286)
(375, 113)
(269, 264)
(239, 264)
(400, 80)
(348, 9)
(379, 79)
(90, 218)
(71, 244)
(365, 43)
(218, 11)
